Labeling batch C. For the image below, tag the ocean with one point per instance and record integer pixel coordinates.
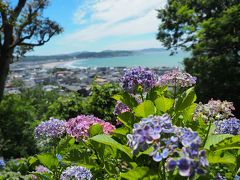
(147, 59)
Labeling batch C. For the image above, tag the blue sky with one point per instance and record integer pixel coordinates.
(96, 25)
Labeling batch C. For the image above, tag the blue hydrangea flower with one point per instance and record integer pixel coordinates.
(135, 77)
(150, 132)
(2, 164)
(228, 126)
(59, 157)
(237, 177)
(52, 128)
(179, 146)
(76, 172)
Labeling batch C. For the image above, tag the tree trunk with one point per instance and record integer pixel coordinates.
(5, 58)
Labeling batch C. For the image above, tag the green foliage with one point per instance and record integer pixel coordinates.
(210, 30)
(105, 139)
(66, 106)
(163, 104)
(16, 131)
(100, 103)
(145, 109)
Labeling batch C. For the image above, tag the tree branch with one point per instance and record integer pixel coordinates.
(17, 10)
(41, 42)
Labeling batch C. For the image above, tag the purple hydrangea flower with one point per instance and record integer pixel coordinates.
(228, 126)
(214, 110)
(76, 172)
(2, 164)
(135, 77)
(177, 78)
(219, 177)
(78, 127)
(120, 108)
(168, 140)
(52, 128)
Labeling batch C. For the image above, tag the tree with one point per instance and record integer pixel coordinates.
(22, 27)
(211, 31)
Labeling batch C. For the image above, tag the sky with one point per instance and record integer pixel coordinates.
(96, 25)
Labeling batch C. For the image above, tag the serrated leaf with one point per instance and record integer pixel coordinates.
(127, 119)
(156, 92)
(215, 139)
(145, 109)
(106, 139)
(228, 144)
(122, 131)
(188, 112)
(221, 157)
(186, 99)
(32, 160)
(48, 160)
(136, 174)
(126, 99)
(163, 104)
(95, 130)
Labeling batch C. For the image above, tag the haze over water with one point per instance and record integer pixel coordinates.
(149, 59)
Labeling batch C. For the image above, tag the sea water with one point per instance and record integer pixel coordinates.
(149, 59)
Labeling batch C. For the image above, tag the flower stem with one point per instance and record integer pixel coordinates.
(209, 127)
(163, 170)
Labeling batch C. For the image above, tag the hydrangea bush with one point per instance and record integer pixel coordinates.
(164, 134)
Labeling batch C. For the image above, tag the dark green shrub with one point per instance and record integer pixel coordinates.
(16, 117)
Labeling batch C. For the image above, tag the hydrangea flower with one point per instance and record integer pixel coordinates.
(135, 77)
(219, 177)
(148, 132)
(120, 108)
(52, 128)
(177, 78)
(214, 110)
(168, 140)
(78, 127)
(76, 172)
(59, 157)
(41, 169)
(228, 126)
(2, 164)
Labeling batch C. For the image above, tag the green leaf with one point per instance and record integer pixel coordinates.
(188, 112)
(221, 157)
(136, 174)
(145, 109)
(228, 144)
(127, 119)
(163, 104)
(186, 99)
(122, 131)
(106, 139)
(215, 139)
(95, 130)
(126, 99)
(32, 160)
(156, 92)
(48, 160)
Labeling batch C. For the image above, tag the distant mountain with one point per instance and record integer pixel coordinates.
(86, 54)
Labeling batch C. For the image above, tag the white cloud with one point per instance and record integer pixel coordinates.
(78, 17)
(116, 18)
(135, 45)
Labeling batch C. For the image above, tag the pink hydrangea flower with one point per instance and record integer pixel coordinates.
(78, 127)
(41, 169)
(177, 78)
